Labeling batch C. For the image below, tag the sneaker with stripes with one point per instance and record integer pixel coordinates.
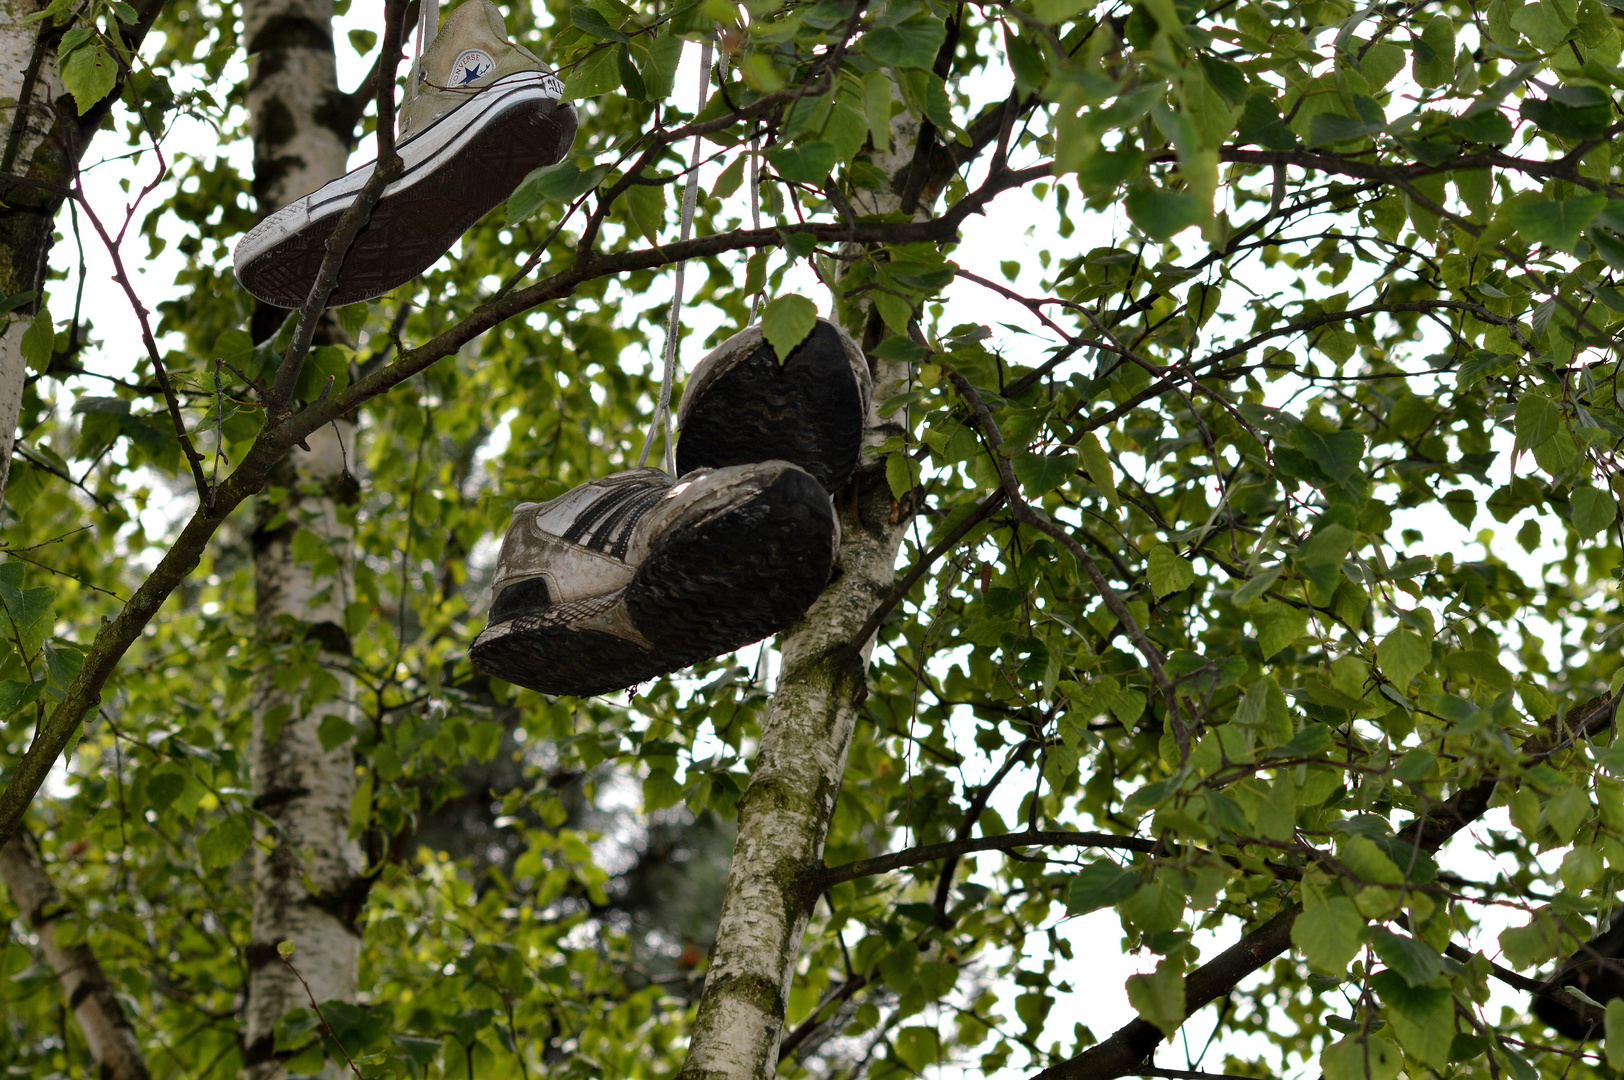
(636, 575)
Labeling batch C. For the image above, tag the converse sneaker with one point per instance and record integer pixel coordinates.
(742, 405)
(636, 575)
(485, 114)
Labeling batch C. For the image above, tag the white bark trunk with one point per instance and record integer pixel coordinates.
(29, 126)
(784, 814)
(13, 376)
(309, 890)
(292, 85)
(106, 1029)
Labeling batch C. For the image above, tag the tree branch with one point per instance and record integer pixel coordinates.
(897, 860)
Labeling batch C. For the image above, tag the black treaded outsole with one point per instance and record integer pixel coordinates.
(759, 567)
(708, 590)
(409, 231)
(808, 412)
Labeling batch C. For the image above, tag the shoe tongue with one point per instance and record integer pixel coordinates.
(464, 51)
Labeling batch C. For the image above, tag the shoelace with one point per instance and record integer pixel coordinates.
(427, 10)
(662, 412)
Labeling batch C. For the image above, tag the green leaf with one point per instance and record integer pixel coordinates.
(1566, 811)
(1422, 1017)
(660, 790)
(1328, 934)
(562, 183)
(804, 163)
(39, 341)
(1278, 625)
(630, 77)
(1613, 1028)
(1026, 62)
(1099, 884)
(1594, 509)
(1489, 126)
(877, 91)
(1433, 53)
(1260, 124)
(598, 73)
(786, 321)
(1098, 467)
(1416, 962)
(226, 842)
(1403, 654)
(1584, 112)
(1161, 213)
(646, 204)
(659, 67)
(918, 1047)
(1525, 946)
(334, 731)
(1040, 474)
(1355, 1058)
(17, 300)
(731, 177)
(89, 74)
(1253, 590)
(31, 614)
(1557, 224)
(15, 693)
(1538, 419)
(591, 21)
(899, 475)
(419, 1050)
(1168, 571)
(1338, 454)
(1159, 996)
(912, 43)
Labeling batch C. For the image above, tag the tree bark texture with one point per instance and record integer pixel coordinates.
(101, 1018)
(784, 816)
(26, 63)
(43, 140)
(308, 889)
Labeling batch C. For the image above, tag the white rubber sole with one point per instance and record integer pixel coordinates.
(455, 171)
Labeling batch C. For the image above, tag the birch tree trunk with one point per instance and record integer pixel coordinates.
(106, 1028)
(28, 78)
(785, 812)
(309, 889)
(45, 138)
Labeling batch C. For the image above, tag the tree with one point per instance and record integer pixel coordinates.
(1170, 584)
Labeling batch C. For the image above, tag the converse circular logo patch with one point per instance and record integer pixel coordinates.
(472, 65)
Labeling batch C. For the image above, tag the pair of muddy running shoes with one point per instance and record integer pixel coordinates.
(638, 574)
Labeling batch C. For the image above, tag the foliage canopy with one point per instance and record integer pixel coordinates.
(1201, 617)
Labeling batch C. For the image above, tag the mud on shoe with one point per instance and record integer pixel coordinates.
(637, 575)
(484, 113)
(742, 405)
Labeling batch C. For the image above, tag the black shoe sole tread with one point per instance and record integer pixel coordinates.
(807, 411)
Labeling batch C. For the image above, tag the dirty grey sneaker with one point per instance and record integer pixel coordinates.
(742, 405)
(486, 113)
(637, 575)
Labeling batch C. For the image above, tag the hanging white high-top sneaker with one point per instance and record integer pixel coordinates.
(636, 575)
(484, 113)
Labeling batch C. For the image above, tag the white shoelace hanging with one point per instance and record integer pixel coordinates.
(428, 12)
(662, 412)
